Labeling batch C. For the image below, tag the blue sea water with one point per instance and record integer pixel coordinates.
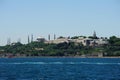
(60, 69)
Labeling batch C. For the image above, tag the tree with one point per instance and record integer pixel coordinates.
(114, 41)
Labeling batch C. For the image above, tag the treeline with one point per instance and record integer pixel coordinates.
(62, 49)
(113, 48)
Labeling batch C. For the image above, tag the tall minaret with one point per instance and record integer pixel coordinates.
(8, 41)
(28, 40)
(49, 37)
(94, 35)
(32, 38)
(54, 36)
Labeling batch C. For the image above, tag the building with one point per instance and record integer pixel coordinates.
(100, 42)
(41, 39)
(58, 40)
(86, 41)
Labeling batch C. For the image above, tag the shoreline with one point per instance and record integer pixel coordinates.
(61, 57)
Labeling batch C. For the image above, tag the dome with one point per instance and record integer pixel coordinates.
(40, 37)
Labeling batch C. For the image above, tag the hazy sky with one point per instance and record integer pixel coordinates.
(20, 18)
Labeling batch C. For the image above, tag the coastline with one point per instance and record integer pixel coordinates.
(61, 57)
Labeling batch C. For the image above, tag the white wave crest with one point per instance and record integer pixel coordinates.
(71, 63)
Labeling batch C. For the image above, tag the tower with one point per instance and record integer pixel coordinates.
(28, 39)
(8, 41)
(94, 35)
(54, 36)
(32, 38)
(49, 37)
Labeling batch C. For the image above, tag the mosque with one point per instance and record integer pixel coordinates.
(94, 41)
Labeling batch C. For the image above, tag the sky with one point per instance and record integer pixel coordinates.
(20, 18)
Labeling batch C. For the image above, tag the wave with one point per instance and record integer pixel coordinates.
(72, 63)
(100, 63)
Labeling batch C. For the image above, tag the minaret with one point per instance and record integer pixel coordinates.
(8, 41)
(54, 36)
(32, 38)
(49, 37)
(94, 35)
(28, 40)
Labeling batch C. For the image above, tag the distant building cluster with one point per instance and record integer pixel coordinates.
(86, 41)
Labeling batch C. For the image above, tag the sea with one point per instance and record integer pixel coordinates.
(59, 68)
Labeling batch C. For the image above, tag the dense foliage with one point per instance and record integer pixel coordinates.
(62, 49)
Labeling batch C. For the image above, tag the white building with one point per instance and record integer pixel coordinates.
(58, 40)
(101, 41)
